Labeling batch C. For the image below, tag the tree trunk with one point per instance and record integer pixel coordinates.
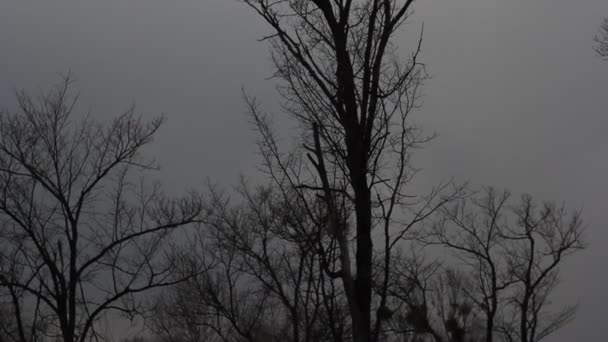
(363, 280)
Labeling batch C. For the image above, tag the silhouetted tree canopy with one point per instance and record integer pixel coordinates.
(81, 231)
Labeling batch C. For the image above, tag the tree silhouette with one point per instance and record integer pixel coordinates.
(342, 80)
(81, 231)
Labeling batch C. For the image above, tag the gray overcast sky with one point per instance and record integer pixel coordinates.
(517, 95)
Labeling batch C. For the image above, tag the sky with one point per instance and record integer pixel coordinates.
(517, 96)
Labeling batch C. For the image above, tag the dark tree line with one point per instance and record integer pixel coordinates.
(273, 277)
(335, 246)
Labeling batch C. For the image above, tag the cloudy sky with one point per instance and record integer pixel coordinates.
(517, 96)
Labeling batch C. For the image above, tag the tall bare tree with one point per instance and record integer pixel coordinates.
(81, 231)
(342, 80)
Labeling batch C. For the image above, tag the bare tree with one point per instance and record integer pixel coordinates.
(411, 293)
(601, 40)
(539, 240)
(266, 278)
(272, 265)
(181, 315)
(461, 318)
(81, 231)
(476, 237)
(511, 252)
(342, 80)
(433, 303)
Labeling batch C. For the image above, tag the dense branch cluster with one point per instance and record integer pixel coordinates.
(81, 232)
(276, 274)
